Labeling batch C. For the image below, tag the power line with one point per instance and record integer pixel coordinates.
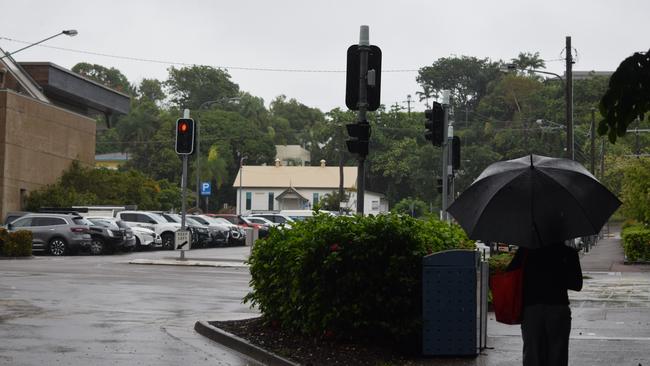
(176, 63)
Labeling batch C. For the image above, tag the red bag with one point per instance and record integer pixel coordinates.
(507, 295)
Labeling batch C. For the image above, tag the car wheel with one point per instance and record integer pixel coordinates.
(58, 247)
(97, 246)
(167, 241)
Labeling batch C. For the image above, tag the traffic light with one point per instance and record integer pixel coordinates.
(439, 185)
(184, 136)
(435, 124)
(455, 153)
(373, 78)
(360, 135)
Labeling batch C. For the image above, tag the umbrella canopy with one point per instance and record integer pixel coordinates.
(534, 201)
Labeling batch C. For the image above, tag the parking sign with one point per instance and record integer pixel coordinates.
(206, 189)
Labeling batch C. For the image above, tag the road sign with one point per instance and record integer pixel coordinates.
(206, 189)
(182, 240)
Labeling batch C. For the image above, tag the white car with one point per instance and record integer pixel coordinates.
(146, 238)
(152, 221)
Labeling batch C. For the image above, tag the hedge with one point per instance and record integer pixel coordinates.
(636, 242)
(15, 244)
(348, 277)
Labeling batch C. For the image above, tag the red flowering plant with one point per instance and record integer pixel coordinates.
(348, 276)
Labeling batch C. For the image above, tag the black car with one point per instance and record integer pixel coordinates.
(110, 235)
(200, 233)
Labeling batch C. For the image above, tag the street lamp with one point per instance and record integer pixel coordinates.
(241, 178)
(198, 144)
(69, 32)
(568, 104)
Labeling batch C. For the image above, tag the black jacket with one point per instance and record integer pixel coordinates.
(548, 273)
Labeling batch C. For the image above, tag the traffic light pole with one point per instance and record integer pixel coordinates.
(364, 48)
(186, 114)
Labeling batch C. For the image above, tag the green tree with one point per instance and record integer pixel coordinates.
(189, 87)
(627, 97)
(151, 90)
(466, 77)
(110, 77)
(412, 207)
(636, 190)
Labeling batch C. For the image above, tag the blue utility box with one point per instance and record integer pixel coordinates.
(451, 294)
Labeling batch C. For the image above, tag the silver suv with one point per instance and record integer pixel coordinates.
(57, 234)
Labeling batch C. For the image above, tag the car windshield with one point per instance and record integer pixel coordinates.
(200, 219)
(105, 223)
(190, 220)
(159, 218)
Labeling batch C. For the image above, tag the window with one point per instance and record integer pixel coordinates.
(249, 199)
(48, 221)
(271, 200)
(24, 222)
(374, 205)
(128, 217)
(315, 198)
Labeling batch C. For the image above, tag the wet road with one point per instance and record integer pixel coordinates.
(84, 310)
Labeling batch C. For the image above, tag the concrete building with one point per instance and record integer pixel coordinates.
(47, 121)
(279, 187)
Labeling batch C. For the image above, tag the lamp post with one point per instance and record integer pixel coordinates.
(69, 32)
(198, 144)
(241, 178)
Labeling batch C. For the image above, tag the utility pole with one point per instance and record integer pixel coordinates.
(445, 156)
(593, 140)
(569, 100)
(364, 48)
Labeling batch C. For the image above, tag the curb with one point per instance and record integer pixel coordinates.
(240, 345)
(189, 263)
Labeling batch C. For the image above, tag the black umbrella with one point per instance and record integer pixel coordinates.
(534, 201)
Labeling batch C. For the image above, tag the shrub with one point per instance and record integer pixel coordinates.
(348, 277)
(16, 244)
(636, 242)
(499, 263)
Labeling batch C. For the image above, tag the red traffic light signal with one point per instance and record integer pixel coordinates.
(184, 136)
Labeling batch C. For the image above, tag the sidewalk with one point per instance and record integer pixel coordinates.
(607, 255)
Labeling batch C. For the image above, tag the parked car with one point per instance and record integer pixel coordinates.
(302, 215)
(237, 233)
(151, 221)
(13, 215)
(219, 232)
(200, 233)
(110, 234)
(260, 220)
(241, 221)
(146, 238)
(276, 218)
(56, 234)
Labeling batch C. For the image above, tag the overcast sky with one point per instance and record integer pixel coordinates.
(314, 35)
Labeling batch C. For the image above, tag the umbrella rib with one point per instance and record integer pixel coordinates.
(572, 197)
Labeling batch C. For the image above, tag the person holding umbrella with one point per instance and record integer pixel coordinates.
(546, 317)
(536, 203)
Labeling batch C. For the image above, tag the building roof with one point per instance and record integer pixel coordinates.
(296, 176)
(73, 90)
